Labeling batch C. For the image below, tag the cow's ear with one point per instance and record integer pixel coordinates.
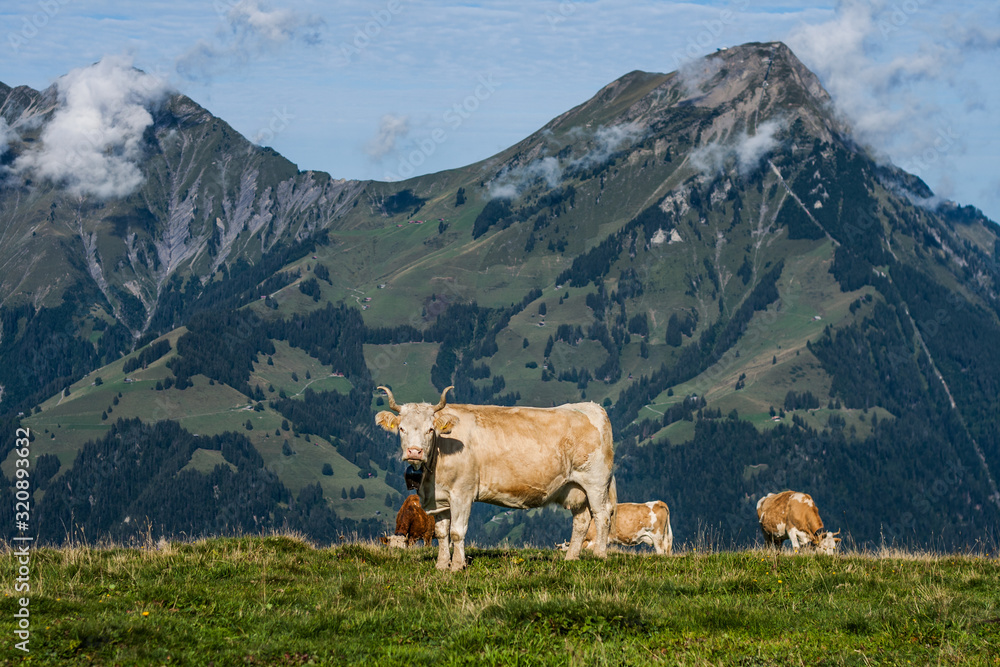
(837, 540)
(443, 426)
(388, 421)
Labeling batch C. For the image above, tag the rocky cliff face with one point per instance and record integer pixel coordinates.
(207, 198)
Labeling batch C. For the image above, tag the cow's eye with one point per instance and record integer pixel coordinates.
(430, 430)
(402, 430)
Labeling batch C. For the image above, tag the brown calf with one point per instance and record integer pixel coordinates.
(412, 524)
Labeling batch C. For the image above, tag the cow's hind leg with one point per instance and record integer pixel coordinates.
(771, 539)
(668, 540)
(410, 539)
(581, 522)
(442, 527)
(601, 506)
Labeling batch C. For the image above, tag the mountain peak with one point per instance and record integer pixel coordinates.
(760, 81)
(728, 94)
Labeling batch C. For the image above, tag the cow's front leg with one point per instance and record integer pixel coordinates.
(581, 522)
(460, 512)
(442, 526)
(793, 535)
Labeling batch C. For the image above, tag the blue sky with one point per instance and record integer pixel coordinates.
(368, 89)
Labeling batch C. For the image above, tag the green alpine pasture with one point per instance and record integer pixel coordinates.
(66, 422)
(277, 600)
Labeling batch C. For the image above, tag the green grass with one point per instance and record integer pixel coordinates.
(773, 353)
(277, 600)
(404, 365)
(64, 427)
(66, 423)
(305, 467)
(677, 433)
(292, 370)
(205, 460)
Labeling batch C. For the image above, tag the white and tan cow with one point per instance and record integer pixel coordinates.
(639, 523)
(791, 515)
(509, 456)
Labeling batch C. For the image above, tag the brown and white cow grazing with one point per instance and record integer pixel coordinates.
(640, 523)
(412, 524)
(791, 515)
(509, 456)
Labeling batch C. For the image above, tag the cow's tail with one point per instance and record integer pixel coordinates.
(612, 507)
(599, 418)
(668, 539)
(609, 444)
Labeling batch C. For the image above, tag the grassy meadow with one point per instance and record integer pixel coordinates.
(280, 601)
(66, 422)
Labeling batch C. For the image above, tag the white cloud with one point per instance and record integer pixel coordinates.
(913, 82)
(94, 139)
(609, 139)
(250, 30)
(250, 23)
(751, 149)
(873, 95)
(392, 128)
(979, 37)
(606, 141)
(881, 97)
(747, 150)
(504, 191)
(696, 73)
(512, 182)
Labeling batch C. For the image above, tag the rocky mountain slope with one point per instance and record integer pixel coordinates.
(135, 224)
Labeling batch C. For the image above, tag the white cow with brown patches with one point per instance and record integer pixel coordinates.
(791, 515)
(640, 523)
(509, 456)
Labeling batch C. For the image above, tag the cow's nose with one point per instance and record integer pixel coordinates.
(412, 453)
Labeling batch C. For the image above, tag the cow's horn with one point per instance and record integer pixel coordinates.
(441, 405)
(835, 534)
(392, 401)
